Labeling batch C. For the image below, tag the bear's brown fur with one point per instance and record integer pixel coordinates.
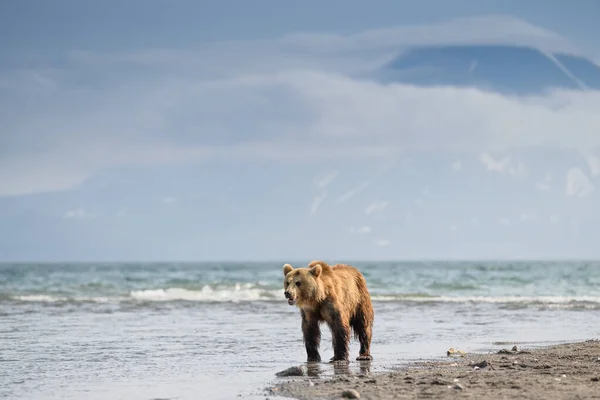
(335, 294)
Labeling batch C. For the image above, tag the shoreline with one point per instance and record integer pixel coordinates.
(562, 371)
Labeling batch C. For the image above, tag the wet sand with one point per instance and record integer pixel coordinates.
(565, 371)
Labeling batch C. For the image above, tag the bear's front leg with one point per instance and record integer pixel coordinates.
(312, 336)
(340, 335)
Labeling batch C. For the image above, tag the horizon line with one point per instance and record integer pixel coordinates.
(299, 261)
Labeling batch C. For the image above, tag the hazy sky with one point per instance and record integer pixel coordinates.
(193, 130)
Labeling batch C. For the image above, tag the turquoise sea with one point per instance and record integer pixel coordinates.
(222, 330)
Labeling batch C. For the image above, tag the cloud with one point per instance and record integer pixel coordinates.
(493, 165)
(352, 192)
(79, 214)
(381, 242)
(457, 165)
(577, 183)
(594, 164)
(362, 230)
(378, 206)
(574, 222)
(324, 180)
(472, 66)
(519, 169)
(294, 99)
(66, 166)
(545, 183)
(316, 203)
(382, 169)
(543, 186)
(497, 29)
(504, 165)
(529, 216)
(330, 50)
(30, 173)
(168, 200)
(504, 221)
(392, 118)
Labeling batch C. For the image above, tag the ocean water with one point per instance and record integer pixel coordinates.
(222, 330)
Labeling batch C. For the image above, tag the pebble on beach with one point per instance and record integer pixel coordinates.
(351, 394)
(292, 371)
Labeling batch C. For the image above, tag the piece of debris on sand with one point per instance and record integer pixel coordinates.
(452, 352)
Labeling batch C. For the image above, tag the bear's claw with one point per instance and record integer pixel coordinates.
(364, 358)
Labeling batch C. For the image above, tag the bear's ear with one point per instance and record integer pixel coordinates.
(287, 268)
(316, 270)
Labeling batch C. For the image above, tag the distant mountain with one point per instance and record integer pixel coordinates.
(501, 68)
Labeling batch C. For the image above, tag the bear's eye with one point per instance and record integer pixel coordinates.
(298, 284)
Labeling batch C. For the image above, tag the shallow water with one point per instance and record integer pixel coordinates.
(148, 331)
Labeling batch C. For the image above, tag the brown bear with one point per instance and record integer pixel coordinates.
(335, 294)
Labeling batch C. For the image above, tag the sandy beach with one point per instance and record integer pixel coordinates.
(565, 371)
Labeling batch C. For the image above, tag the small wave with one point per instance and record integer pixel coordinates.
(41, 298)
(245, 292)
(492, 299)
(252, 293)
(453, 286)
(208, 294)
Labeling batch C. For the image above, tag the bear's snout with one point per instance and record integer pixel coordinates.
(291, 299)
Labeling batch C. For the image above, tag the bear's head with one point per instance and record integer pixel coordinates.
(301, 285)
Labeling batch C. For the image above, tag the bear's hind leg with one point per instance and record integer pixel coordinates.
(362, 327)
(312, 336)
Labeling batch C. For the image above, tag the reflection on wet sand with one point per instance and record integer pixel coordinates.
(319, 369)
(341, 368)
(316, 370)
(365, 367)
